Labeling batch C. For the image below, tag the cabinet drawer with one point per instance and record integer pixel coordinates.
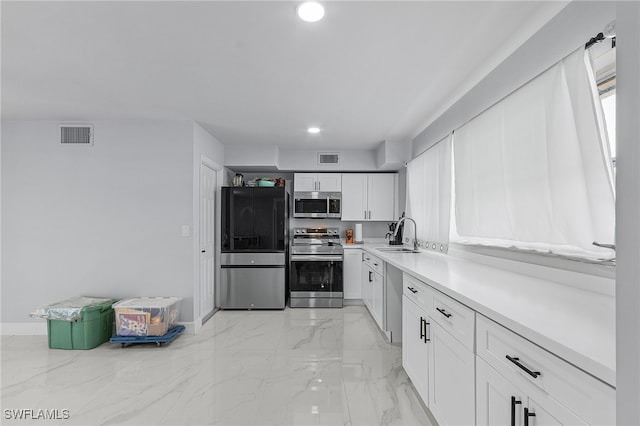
(539, 369)
(454, 317)
(416, 291)
(374, 262)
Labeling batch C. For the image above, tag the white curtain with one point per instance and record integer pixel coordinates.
(533, 171)
(428, 200)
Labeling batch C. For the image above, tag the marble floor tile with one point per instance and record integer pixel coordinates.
(290, 367)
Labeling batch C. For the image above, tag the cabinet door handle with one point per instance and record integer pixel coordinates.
(443, 312)
(375, 264)
(513, 410)
(369, 214)
(516, 361)
(370, 279)
(423, 331)
(527, 414)
(413, 290)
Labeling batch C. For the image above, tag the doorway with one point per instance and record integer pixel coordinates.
(208, 187)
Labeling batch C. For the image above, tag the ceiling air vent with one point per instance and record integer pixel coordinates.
(76, 134)
(328, 158)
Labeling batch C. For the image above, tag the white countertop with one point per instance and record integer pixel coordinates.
(576, 325)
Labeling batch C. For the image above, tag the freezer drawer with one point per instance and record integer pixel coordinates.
(253, 259)
(252, 288)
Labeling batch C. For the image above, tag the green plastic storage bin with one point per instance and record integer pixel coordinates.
(93, 329)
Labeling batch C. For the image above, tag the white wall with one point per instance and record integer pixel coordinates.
(392, 155)
(628, 213)
(206, 145)
(100, 221)
(250, 155)
(570, 29)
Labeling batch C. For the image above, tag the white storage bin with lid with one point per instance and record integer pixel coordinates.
(146, 316)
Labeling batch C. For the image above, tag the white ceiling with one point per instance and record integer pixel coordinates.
(251, 72)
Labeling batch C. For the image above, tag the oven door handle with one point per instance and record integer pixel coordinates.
(315, 258)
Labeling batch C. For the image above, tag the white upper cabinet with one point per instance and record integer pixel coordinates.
(381, 196)
(354, 196)
(329, 182)
(369, 196)
(308, 182)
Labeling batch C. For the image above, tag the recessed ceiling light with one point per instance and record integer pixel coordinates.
(313, 130)
(310, 11)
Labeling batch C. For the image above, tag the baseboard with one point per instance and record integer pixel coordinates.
(190, 327)
(352, 302)
(23, 328)
(40, 328)
(195, 326)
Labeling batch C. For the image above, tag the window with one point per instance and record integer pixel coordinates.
(428, 195)
(530, 172)
(604, 65)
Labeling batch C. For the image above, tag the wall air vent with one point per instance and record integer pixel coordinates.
(328, 158)
(76, 134)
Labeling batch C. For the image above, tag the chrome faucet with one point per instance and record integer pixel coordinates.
(415, 231)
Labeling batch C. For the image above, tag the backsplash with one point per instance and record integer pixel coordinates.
(369, 229)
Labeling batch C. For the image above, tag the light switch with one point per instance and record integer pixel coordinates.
(186, 232)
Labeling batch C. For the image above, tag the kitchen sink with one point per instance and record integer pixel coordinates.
(397, 249)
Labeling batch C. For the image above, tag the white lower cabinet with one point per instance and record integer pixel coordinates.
(451, 379)
(415, 351)
(498, 401)
(378, 299)
(440, 366)
(520, 384)
(373, 288)
(469, 369)
(366, 287)
(501, 402)
(352, 274)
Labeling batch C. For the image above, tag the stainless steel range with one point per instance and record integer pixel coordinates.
(315, 270)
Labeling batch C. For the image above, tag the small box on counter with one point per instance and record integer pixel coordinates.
(146, 316)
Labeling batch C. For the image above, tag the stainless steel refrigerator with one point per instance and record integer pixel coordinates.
(254, 248)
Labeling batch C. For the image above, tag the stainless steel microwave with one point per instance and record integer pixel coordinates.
(317, 204)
